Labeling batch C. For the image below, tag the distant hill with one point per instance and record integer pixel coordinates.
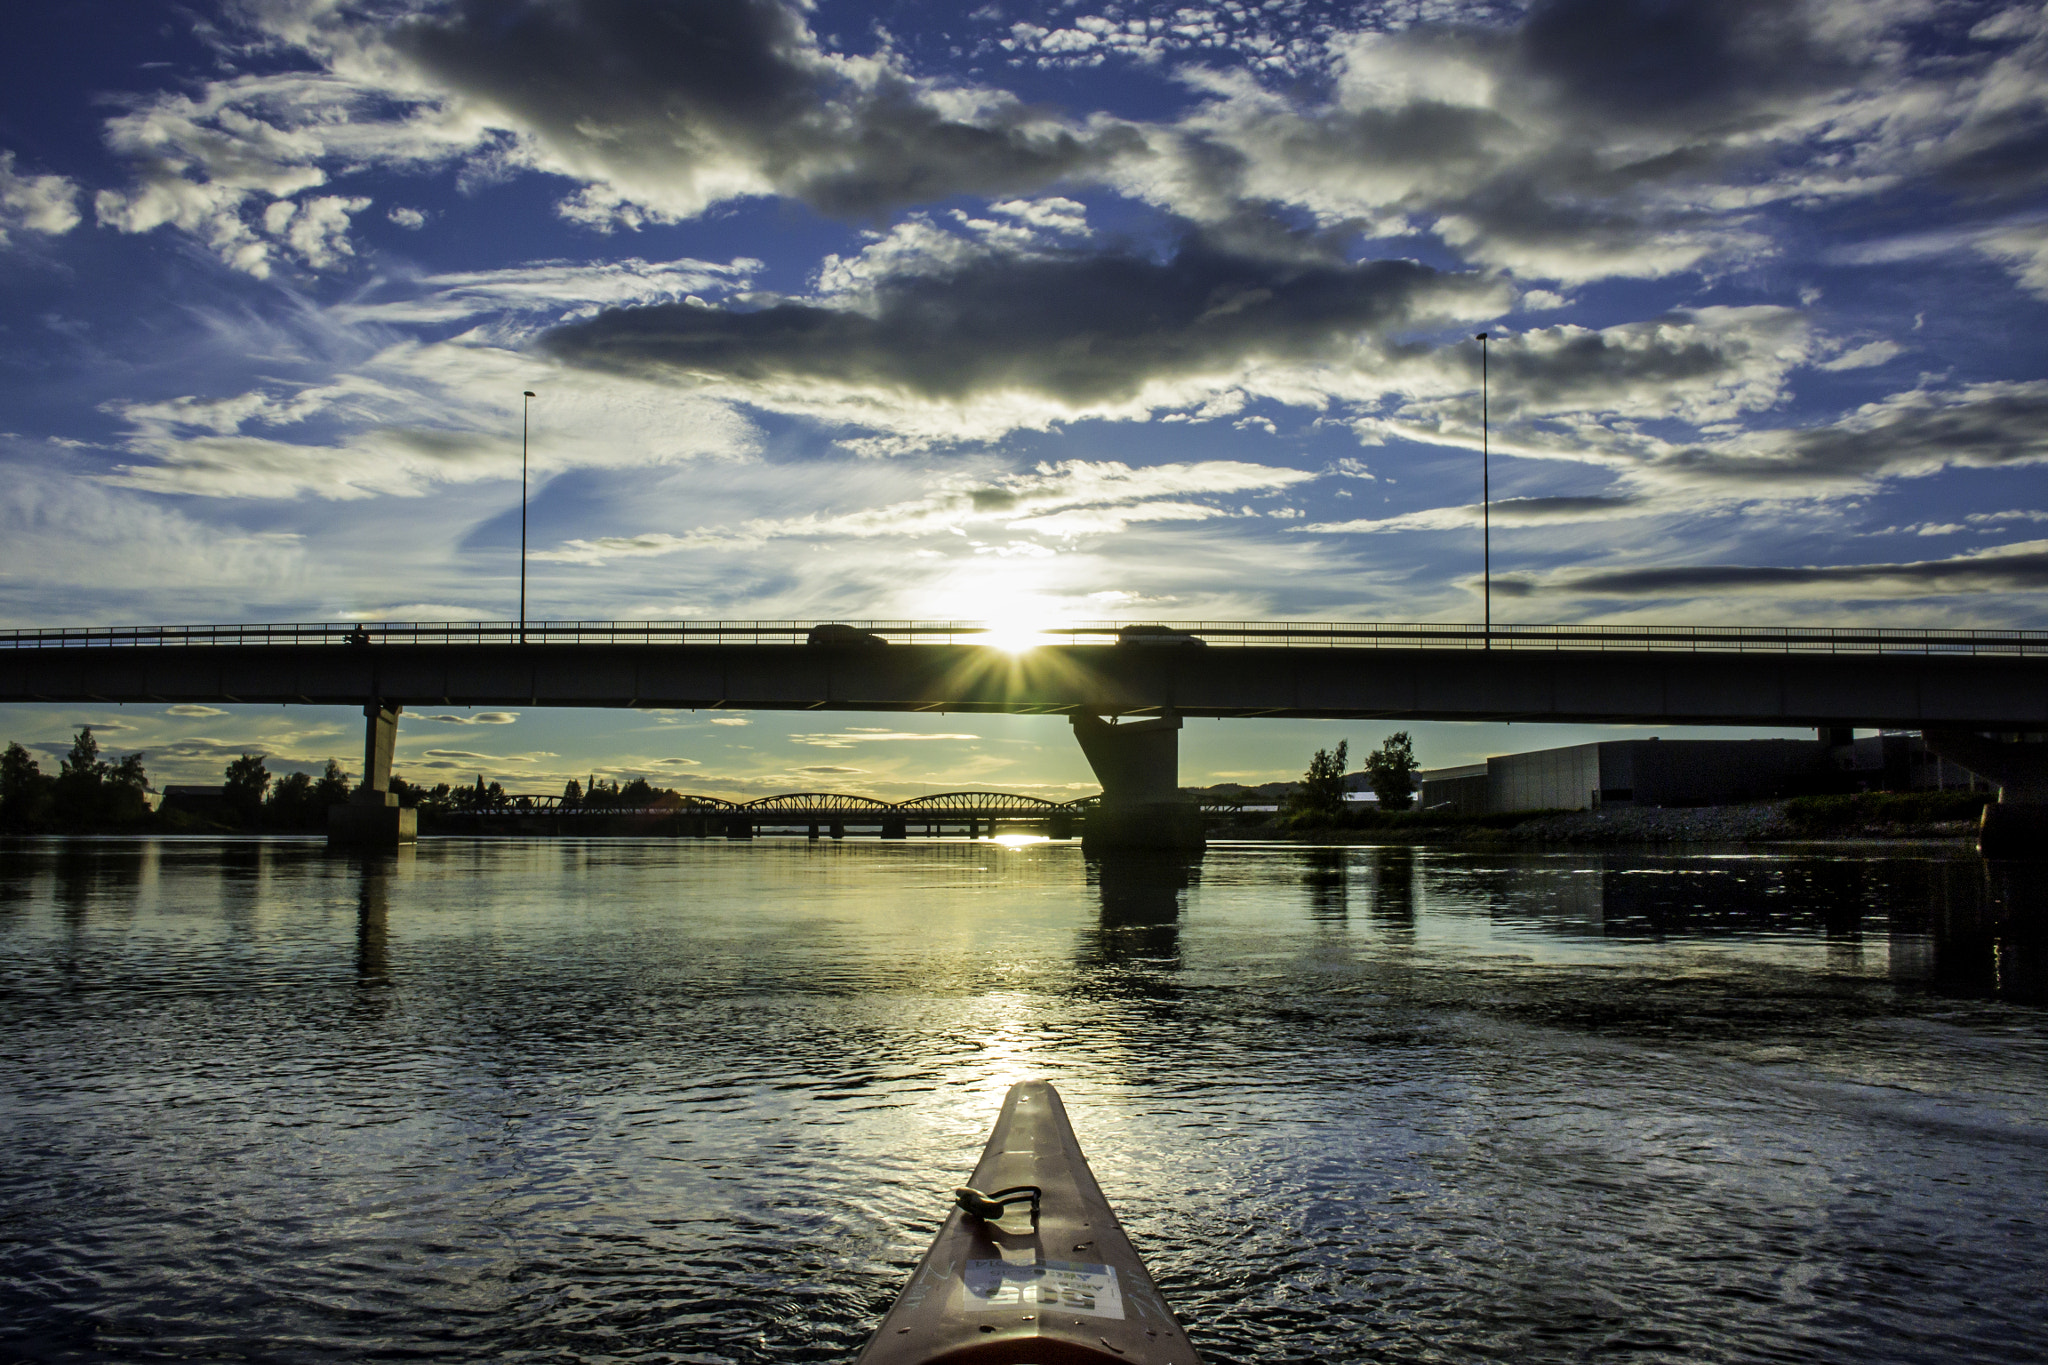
(1263, 793)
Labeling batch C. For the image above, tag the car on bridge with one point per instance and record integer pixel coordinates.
(1159, 635)
(834, 633)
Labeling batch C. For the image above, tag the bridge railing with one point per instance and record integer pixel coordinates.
(1162, 635)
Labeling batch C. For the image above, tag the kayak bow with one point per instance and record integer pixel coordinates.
(1037, 1270)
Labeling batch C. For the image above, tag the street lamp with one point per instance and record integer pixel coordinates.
(1485, 495)
(525, 404)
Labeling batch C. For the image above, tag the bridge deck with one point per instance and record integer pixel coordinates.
(1988, 680)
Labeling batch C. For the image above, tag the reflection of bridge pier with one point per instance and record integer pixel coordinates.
(1141, 892)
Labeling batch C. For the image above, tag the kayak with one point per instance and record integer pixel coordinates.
(1031, 1265)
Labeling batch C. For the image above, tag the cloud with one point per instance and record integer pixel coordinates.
(2019, 567)
(193, 709)
(1078, 328)
(44, 204)
(400, 418)
(730, 720)
(466, 756)
(1070, 498)
(1507, 512)
(1866, 356)
(1907, 434)
(480, 718)
(852, 735)
(825, 771)
(2024, 248)
(653, 113)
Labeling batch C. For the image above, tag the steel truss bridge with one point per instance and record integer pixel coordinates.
(800, 808)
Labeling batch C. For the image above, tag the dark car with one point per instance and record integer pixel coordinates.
(833, 633)
(1157, 635)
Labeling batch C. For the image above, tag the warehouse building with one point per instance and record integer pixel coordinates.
(1687, 772)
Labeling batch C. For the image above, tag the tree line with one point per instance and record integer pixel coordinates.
(91, 794)
(1318, 799)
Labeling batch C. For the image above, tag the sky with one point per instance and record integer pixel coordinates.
(1029, 312)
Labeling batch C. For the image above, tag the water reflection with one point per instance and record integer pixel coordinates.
(373, 913)
(1141, 896)
(1982, 932)
(1325, 876)
(1393, 890)
(645, 1099)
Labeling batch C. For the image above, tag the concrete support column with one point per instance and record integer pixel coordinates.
(896, 829)
(1138, 765)
(372, 818)
(2016, 825)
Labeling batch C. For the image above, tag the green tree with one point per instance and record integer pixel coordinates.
(1319, 796)
(333, 787)
(1391, 771)
(247, 781)
(79, 802)
(572, 795)
(24, 791)
(291, 802)
(83, 762)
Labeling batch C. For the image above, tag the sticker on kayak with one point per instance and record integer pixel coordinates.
(1070, 1286)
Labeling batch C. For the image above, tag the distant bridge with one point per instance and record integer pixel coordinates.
(818, 811)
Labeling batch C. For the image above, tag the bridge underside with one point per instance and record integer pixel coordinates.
(1902, 691)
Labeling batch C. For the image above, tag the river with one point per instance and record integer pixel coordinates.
(676, 1100)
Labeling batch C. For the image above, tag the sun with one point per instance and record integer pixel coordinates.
(1015, 616)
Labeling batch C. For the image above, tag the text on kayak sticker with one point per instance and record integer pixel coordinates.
(1069, 1286)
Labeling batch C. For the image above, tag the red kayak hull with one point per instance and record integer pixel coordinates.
(1065, 1288)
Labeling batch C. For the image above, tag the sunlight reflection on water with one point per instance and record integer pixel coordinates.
(696, 1101)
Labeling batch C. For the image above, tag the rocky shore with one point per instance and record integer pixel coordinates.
(1748, 823)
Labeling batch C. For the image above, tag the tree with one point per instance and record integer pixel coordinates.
(19, 774)
(572, 795)
(333, 788)
(1391, 771)
(83, 761)
(24, 792)
(130, 773)
(1320, 794)
(247, 781)
(291, 802)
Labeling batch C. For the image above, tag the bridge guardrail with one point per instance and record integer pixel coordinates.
(1291, 634)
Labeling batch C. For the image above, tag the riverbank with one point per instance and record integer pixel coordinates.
(1907, 816)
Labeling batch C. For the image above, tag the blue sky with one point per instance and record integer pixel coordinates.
(1020, 311)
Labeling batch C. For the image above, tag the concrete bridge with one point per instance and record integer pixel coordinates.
(1124, 688)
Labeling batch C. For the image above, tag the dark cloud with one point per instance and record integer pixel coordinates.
(1917, 432)
(631, 89)
(1561, 509)
(1559, 366)
(1077, 327)
(1677, 62)
(2022, 568)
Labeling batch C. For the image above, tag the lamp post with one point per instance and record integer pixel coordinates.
(525, 404)
(1485, 496)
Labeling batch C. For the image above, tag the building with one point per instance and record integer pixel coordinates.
(1688, 772)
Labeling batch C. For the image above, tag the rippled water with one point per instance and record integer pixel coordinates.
(698, 1101)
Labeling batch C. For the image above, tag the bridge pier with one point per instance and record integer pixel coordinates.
(1138, 765)
(898, 828)
(372, 818)
(2015, 825)
(739, 827)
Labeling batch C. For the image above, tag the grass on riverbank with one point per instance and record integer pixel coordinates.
(1882, 812)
